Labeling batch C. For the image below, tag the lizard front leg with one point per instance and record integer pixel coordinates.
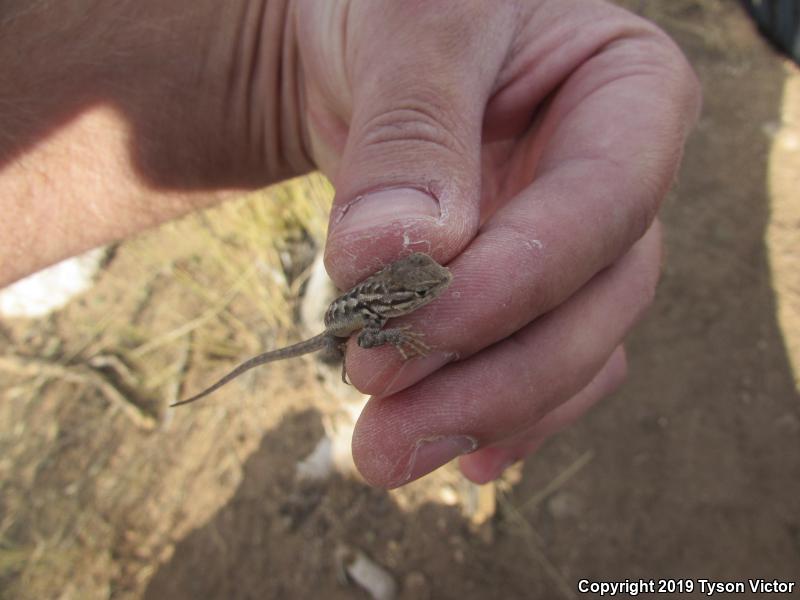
(408, 343)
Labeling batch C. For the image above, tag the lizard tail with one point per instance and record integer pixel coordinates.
(310, 345)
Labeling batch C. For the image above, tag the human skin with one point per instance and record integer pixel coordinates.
(526, 144)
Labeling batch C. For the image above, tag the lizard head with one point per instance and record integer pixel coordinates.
(421, 277)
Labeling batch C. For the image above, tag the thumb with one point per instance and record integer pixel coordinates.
(409, 176)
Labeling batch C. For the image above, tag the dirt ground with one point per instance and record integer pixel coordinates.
(691, 471)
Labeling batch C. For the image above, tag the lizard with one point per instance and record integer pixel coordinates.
(396, 290)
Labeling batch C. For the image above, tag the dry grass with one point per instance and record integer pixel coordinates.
(89, 497)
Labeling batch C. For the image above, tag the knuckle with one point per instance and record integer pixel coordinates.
(412, 122)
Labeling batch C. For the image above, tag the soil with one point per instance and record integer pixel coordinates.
(691, 471)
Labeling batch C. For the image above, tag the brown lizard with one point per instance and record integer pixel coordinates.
(398, 289)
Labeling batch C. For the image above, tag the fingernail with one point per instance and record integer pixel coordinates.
(433, 453)
(379, 208)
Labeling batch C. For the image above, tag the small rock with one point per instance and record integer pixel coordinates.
(367, 574)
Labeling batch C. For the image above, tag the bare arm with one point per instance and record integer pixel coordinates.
(116, 115)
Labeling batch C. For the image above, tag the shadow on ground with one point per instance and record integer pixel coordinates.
(278, 539)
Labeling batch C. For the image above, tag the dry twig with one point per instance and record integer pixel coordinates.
(81, 374)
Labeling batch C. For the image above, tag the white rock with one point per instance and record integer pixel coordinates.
(51, 288)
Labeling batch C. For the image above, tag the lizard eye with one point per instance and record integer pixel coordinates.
(420, 293)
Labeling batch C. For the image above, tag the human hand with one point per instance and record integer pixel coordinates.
(532, 145)
(534, 140)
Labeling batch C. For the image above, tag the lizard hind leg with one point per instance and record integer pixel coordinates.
(340, 350)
